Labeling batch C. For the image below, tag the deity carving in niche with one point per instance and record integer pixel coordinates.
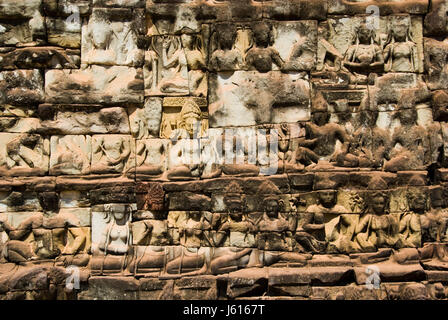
(145, 122)
(151, 156)
(369, 144)
(235, 231)
(184, 118)
(174, 65)
(274, 230)
(434, 222)
(239, 153)
(316, 224)
(185, 152)
(262, 55)
(400, 52)
(110, 153)
(113, 252)
(100, 33)
(108, 42)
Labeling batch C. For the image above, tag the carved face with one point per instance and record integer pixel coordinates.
(364, 34)
(417, 202)
(327, 198)
(378, 204)
(272, 208)
(153, 126)
(191, 124)
(119, 212)
(400, 31)
(100, 34)
(226, 37)
(262, 34)
(233, 204)
(187, 40)
(195, 215)
(321, 118)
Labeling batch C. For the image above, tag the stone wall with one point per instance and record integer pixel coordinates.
(223, 149)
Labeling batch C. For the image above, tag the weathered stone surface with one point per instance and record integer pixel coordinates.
(82, 120)
(223, 149)
(109, 42)
(95, 84)
(274, 98)
(21, 87)
(61, 32)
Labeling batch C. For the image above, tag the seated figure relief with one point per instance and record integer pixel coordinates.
(108, 42)
(110, 154)
(434, 222)
(185, 152)
(321, 139)
(39, 237)
(369, 145)
(318, 222)
(236, 233)
(70, 154)
(410, 225)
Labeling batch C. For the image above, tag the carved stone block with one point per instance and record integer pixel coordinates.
(113, 154)
(107, 41)
(70, 154)
(59, 119)
(248, 98)
(145, 122)
(175, 65)
(96, 84)
(24, 154)
(21, 87)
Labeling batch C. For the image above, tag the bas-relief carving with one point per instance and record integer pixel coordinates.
(94, 84)
(112, 154)
(151, 156)
(351, 52)
(108, 42)
(70, 154)
(24, 154)
(349, 103)
(184, 117)
(39, 237)
(145, 122)
(175, 65)
(106, 120)
(111, 238)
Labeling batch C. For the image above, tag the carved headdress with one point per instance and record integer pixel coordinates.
(269, 190)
